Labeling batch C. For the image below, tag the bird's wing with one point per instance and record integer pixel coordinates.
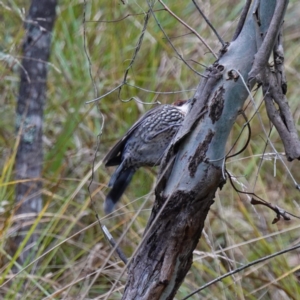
(114, 156)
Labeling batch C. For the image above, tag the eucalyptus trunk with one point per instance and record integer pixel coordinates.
(29, 116)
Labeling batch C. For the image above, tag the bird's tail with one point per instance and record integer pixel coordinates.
(119, 182)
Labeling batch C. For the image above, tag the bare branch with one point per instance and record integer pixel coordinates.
(282, 119)
(280, 213)
(166, 36)
(108, 93)
(187, 26)
(139, 88)
(160, 93)
(262, 56)
(86, 50)
(209, 24)
(137, 49)
(274, 89)
(247, 124)
(122, 18)
(242, 20)
(255, 200)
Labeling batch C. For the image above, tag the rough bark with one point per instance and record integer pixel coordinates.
(29, 114)
(192, 169)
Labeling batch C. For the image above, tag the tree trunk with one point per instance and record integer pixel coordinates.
(29, 115)
(193, 167)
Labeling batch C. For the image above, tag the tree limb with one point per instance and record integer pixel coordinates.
(242, 20)
(262, 56)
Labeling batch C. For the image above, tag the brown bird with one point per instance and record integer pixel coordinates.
(143, 145)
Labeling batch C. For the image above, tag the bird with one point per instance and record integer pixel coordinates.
(143, 145)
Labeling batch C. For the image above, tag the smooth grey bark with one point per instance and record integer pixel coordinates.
(193, 167)
(29, 115)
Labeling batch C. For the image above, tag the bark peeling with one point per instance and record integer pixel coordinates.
(164, 265)
(200, 154)
(217, 105)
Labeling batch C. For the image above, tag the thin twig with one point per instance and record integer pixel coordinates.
(103, 228)
(166, 36)
(86, 51)
(139, 88)
(108, 93)
(209, 24)
(247, 124)
(160, 93)
(122, 18)
(196, 62)
(242, 20)
(137, 49)
(262, 157)
(102, 125)
(279, 211)
(105, 231)
(189, 27)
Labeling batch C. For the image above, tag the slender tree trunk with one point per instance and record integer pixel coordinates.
(193, 168)
(29, 115)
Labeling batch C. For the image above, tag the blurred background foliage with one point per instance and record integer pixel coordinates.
(72, 245)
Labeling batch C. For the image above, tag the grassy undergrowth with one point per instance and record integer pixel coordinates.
(72, 245)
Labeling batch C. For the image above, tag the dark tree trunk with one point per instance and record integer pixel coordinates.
(193, 168)
(29, 115)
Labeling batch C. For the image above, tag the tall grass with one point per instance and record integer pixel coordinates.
(71, 245)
